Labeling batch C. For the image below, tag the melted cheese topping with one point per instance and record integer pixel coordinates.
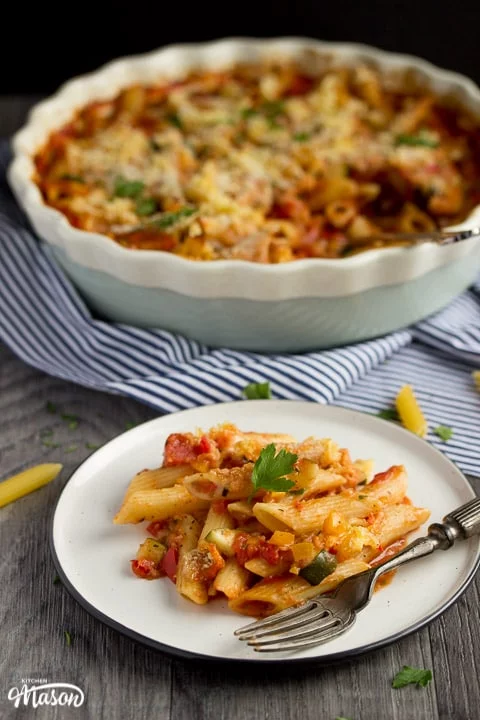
(263, 163)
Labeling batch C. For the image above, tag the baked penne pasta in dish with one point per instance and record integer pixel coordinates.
(263, 520)
(267, 162)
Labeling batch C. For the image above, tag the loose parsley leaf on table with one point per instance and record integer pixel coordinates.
(388, 414)
(71, 448)
(269, 471)
(72, 420)
(410, 675)
(92, 446)
(56, 580)
(257, 391)
(443, 432)
(68, 638)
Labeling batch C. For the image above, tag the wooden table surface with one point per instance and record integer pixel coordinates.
(122, 679)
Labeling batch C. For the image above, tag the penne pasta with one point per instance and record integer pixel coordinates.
(217, 519)
(265, 526)
(157, 505)
(304, 517)
(188, 583)
(232, 580)
(410, 412)
(27, 481)
(270, 596)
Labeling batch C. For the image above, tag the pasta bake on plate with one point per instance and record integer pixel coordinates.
(251, 522)
(263, 520)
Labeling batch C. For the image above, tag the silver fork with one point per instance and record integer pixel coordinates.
(322, 619)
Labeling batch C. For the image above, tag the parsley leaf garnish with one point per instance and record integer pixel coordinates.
(145, 206)
(51, 408)
(410, 675)
(128, 188)
(416, 140)
(92, 446)
(257, 391)
(388, 414)
(269, 471)
(72, 420)
(68, 638)
(170, 218)
(50, 444)
(443, 432)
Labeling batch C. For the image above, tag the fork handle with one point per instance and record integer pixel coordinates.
(462, 523)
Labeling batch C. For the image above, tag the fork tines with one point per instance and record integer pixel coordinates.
(309, 624)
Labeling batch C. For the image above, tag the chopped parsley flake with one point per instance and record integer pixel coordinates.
(56, 580)
(72, 420)
(128, 188)
(51, 408)
(71, 448)
(73, 178)
(302, 136)
(68, 638)
(92, 446)
(175, 120)
(416, 140)
(145, 206)
(50, 444)
(171, 218)
(257, 391)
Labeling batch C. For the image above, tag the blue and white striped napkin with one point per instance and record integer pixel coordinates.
(44, 321)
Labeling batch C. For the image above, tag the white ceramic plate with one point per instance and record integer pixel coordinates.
(92, 555)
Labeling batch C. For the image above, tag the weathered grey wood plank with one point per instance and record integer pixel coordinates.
(124, 680)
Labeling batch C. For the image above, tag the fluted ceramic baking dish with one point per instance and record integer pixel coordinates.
(302, 305)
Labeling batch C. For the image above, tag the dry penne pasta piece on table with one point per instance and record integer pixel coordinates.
(27, 481)
(410, 411)
(264, 525)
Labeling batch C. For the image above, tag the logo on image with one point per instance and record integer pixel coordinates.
(34, 692)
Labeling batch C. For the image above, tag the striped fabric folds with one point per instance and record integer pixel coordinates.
(47, 325)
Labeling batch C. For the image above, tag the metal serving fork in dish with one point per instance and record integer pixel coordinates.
(324, 618)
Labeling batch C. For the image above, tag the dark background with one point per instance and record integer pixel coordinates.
(44, 44)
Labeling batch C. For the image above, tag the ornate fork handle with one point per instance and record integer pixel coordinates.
(460, 524)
